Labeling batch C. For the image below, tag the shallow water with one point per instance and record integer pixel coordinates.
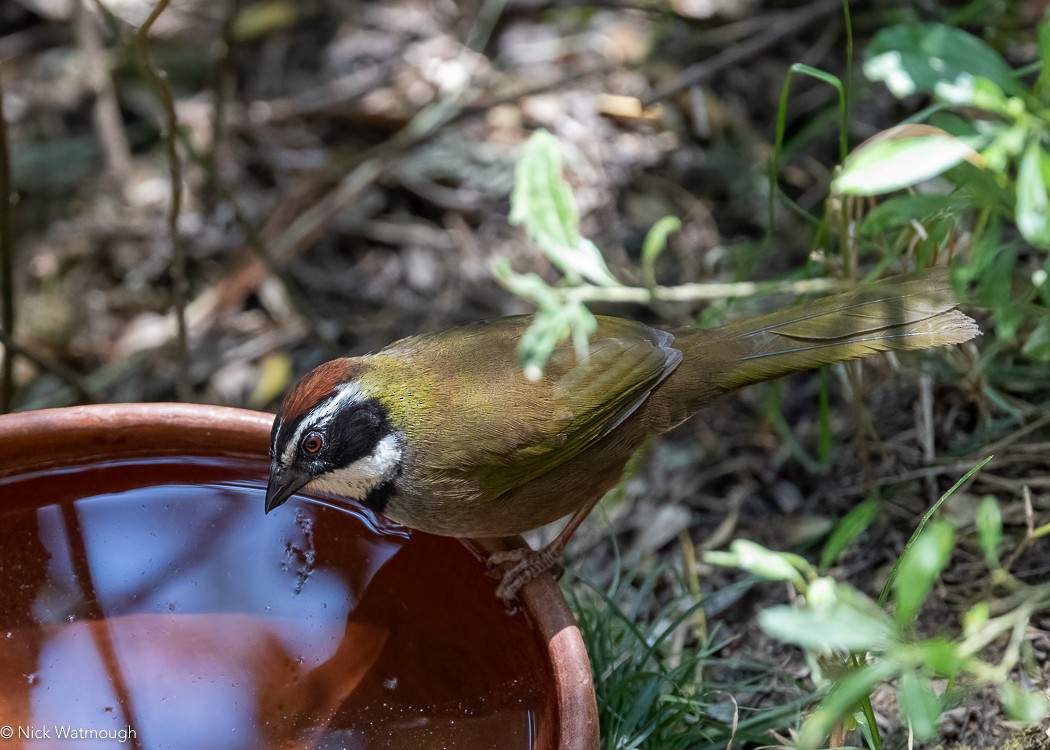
(150, 603)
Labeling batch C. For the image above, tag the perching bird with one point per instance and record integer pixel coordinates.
(443, 433)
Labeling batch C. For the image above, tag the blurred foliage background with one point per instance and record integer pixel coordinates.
(210, 198)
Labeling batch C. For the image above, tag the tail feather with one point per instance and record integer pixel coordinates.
(903, 313)
(777, 353)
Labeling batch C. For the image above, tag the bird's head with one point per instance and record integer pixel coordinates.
(333, 433)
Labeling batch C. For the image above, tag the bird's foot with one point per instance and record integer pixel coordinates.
(521, 566)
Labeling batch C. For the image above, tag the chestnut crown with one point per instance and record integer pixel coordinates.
(331, 435)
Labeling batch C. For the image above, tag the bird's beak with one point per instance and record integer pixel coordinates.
(283, 484)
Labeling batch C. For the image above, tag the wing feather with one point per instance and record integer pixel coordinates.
(524, 429)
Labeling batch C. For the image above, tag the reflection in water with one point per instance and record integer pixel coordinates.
(156, 596)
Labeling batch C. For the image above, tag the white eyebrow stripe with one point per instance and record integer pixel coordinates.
(319, 417)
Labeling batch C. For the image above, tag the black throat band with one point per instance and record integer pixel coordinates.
(377, 499)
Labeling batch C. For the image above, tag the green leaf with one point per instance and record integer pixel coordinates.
(655, 242)
(891, 579)
(983, 191)
(921, 565)
(990, 529)
(542, 202)
(586, 260)
(555, 320)
(841, 702)
(975, 618)
(551, 326)
(989, 97)
(1033, 195)
(888, 164)
(1037, 346)
(904, 209)
(839, 628)
(919, 704)
(934, 59)
(821, 75)
(526, 285)
(264, 18)
(781, 128)
(1028, 706)
(992, 268)
(836, 618)
(849, 528)
(940, 656)
(1044, 50)
(762, 562)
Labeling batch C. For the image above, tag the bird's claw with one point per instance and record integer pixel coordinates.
(519, 566)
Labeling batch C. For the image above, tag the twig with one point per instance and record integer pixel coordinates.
(337, 191)
(224, 75)
(1029, 523)
(113, 24)
(106, 111)
(697, 292)
(160, 84)
(924, 430)
(255, 242)
(1003, 443)
(777, 30)
(7, 251)
(345, 180)
(56, 368)
(903, 477)
(370, 165)
(327, 96)
(532, 88)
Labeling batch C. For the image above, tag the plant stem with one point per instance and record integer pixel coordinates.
(83, 393)
(697, 292)
(158, 80)
(7, 250)
(922, 524)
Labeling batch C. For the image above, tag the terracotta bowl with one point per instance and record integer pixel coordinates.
(144, 592)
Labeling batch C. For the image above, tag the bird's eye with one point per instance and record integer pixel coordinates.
(312, 442)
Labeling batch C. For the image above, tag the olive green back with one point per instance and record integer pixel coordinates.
(467, 382)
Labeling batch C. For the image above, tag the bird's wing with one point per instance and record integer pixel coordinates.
(518, 429)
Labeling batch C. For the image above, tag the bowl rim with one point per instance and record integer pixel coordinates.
(33, 440)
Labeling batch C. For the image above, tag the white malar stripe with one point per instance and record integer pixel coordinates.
(319, 418)
(365, 474)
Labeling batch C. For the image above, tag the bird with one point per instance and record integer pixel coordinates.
(442, 432)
